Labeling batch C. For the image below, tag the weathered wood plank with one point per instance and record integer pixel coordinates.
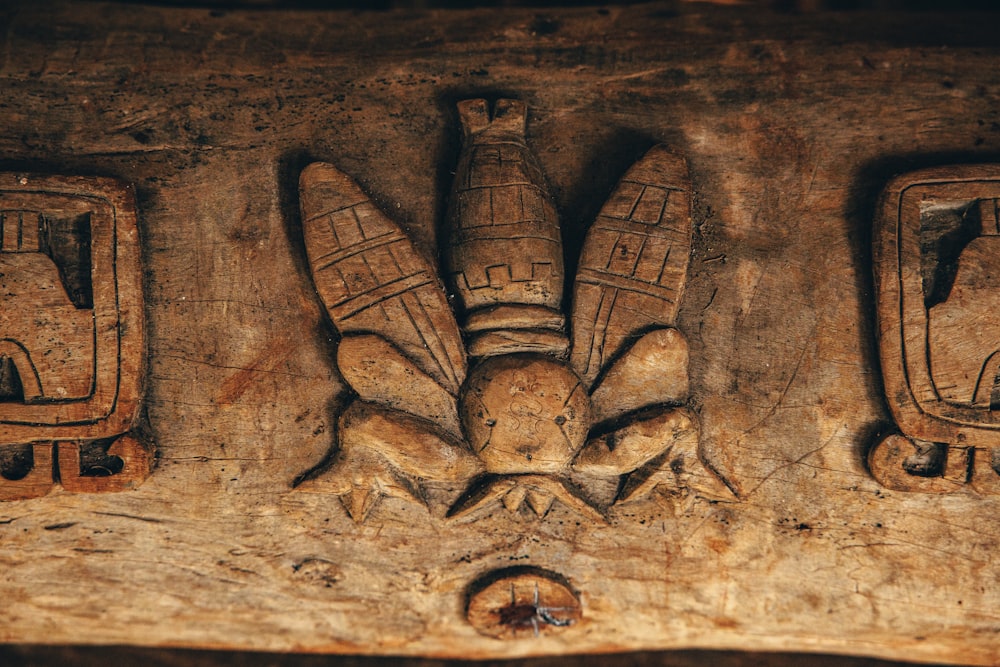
(790, 125)
(43, 656)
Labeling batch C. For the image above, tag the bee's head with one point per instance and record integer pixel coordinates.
(525, 413)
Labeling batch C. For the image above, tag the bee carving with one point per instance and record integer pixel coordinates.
(514, 406)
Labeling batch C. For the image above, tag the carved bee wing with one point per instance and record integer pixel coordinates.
(634, 262)
(372, 279)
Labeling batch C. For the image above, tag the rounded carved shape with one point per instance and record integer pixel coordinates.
(525, 414)
(522, 602)
(902, 463)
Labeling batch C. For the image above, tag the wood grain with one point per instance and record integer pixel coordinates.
(791, 127)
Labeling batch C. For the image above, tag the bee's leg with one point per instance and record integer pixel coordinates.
(384, 452)
(360, 477)
(542, 487)
(363, 477)
(539, 491)
(484, 492)
(653, 450)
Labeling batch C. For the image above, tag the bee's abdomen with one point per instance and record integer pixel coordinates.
(504, 246)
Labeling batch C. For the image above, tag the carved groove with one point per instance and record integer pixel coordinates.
(938, 277)
(71, 336)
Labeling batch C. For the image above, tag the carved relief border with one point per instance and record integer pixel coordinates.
(937, 275)
(72, 347)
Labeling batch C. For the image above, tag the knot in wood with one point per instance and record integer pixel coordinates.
(522, 602)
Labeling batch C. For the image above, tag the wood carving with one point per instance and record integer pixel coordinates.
(937, 259)
(508, 404)
(72, 344)
(212, 116)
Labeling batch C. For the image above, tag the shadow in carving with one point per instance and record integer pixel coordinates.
(489, 385)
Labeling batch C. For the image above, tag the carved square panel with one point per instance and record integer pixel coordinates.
(71, 347)
(937, 269)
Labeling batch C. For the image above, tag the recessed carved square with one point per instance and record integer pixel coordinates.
(937, 271)
(71, 335)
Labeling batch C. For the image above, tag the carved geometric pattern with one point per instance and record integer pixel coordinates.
(71, 336)
(500, 208)
(937, 273)
(371, 278)
(513, 417)
(634, 261)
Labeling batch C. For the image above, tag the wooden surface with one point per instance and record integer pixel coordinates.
(123, 656)
(791, 127)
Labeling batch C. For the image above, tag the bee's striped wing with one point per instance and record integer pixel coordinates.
(372, 279)
(634, 262)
